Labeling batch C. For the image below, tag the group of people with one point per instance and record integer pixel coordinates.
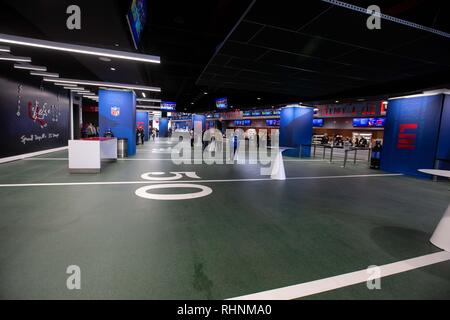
(340, 141)
(89, 130)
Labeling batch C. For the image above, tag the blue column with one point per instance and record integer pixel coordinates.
(163, 128)
(296, 129)
(117, 111)
(411, 134)
(142, 120)
(443, 152)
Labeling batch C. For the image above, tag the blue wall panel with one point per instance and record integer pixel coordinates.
(142, 120)
(411, 134)
(117, 111)
(296, 129)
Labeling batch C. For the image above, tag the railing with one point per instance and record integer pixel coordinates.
(332, 148)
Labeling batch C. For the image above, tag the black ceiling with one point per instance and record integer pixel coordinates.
(283, 51)
(322, 51)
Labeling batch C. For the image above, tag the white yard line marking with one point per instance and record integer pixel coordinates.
(166, 159)
(53, 184)
(345, 280)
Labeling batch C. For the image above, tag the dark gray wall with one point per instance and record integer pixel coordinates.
(43, 121)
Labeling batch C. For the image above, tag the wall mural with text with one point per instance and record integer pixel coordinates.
(34, 116)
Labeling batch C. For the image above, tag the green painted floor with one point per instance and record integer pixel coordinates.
(246, 237)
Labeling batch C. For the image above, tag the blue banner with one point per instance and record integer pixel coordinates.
(296, 130)
(142, 121)
(163, 128)
(411, 134)
(117, 112)
(443, 153)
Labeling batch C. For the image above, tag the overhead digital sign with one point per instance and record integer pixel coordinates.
(273, 123)
(318, 122)
(222, 103)
(168, 106)
(242, 123)
(136, 17)
(369, 122)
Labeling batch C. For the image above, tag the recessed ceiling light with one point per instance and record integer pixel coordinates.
(258, 98)
(105, 59)
(29, 67)
(105, 84)
(116, 45)
(113, 69)
(205, 92)
(144, 95)
(337, 101)
(192, 103)
(4, 49)
(59, 46)
(44, 74)
(15, 58)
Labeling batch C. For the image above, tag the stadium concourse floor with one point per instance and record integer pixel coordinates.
(252, 234)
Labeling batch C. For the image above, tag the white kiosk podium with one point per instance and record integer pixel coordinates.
(86, 155)
(441, 236)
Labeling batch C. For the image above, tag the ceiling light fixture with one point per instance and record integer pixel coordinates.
(148, 107)
(45, 74)
(4, 49)
(15, 58)
(59, 46)
(113, 69)
(148, 100)
(65, 84)
(81, 92)
(144, 95)
(105, 84)
(30, 67)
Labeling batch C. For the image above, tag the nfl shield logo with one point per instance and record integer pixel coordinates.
(115, 111)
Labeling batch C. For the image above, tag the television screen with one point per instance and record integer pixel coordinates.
(168, 106)
(247, 114)
(318, 122)
(273, 123)
(242, 123)
(276, 112)
(267, 113)
(221, 103)
(136, 17)
(369, 122)
(256, 113)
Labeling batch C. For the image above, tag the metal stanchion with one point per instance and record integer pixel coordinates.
(314, 154)
(324, 150)
(345, 157)
(354, 158)
(331, 154)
